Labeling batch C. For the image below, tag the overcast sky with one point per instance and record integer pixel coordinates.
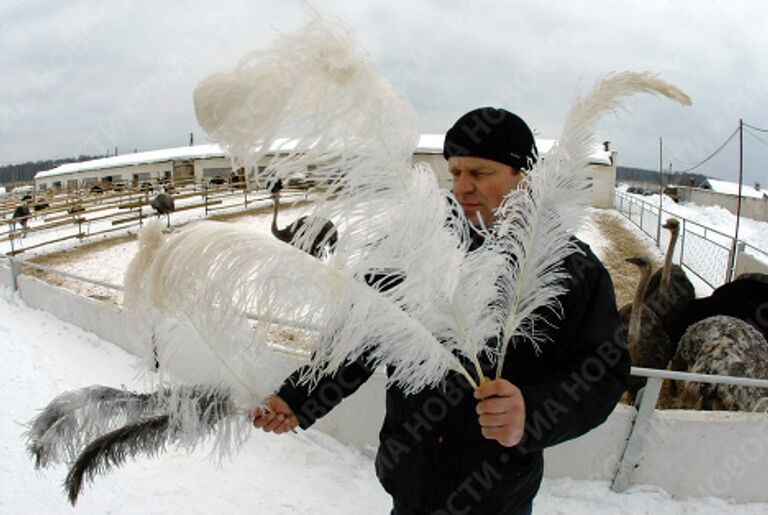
(86, 76)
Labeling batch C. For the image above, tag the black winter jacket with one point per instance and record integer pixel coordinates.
(432, 457)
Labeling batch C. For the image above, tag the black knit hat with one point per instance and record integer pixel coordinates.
(493, 134)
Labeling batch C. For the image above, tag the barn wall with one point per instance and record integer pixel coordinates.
(210, 162)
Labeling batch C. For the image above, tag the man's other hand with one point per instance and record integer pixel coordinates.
(278, 419)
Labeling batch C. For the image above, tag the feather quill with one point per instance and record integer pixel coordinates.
(535, 224)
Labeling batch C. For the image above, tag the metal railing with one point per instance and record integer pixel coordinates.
(703, 251)
(646, 406)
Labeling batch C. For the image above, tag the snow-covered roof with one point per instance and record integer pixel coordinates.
(138, 158)
(732, 188)
(428, 144)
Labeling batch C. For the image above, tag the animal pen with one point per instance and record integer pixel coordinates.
(705, 252)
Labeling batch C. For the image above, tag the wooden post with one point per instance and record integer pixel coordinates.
(205, 197)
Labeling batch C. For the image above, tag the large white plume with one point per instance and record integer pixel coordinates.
(536, 223)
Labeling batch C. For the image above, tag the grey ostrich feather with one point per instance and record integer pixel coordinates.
(74, 418)
(147, 436)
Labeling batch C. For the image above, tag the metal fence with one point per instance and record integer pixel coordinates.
(705, 252)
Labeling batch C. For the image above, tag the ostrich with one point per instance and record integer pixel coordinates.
(722, 345)
(163, 204)
(746, 298)
(669, 290)
(21, 215)
(648, 344)
(753, 276)
(324, 232)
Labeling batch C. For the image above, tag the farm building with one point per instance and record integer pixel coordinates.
(210, 164)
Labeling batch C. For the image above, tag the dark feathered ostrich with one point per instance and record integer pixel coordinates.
(163, 204)
(322, 232)
(746, 298)
(669, 290)
(722, 345)
(21, 216)
(648, 343)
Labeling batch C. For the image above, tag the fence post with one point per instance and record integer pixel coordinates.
(11, 235)
(682, 243)
(638, 437)
(15, 272)
(740, 247)
(642, 216)
(205, 197)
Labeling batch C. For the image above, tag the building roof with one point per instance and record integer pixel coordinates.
(428, 144)
(732, 188)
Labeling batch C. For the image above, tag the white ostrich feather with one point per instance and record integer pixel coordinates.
(344, 119)
(535, 224)
(213, 275)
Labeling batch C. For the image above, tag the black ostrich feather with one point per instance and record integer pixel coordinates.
(149, 437)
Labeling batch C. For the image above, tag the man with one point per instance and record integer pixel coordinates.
(454, 451)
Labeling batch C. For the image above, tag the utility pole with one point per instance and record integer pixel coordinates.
(661, 191)
(732, 260)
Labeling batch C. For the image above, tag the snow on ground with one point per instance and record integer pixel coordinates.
(306, 473)
(40, 357)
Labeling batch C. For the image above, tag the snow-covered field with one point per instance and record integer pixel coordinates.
(306, 473)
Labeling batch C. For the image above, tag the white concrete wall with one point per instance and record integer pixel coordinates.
(754, 208)
(700, 454)
(595, 455)
(688, 454)
(103, 319)
(5, 274)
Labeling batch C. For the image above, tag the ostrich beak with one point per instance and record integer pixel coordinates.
(637, 261)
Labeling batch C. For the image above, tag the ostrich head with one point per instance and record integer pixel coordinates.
(275, 186)
(672, 224)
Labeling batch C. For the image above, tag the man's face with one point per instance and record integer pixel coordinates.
(480, 185)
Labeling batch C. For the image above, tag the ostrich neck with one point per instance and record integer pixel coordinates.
(666, 272)
(635, 319)
(275, 208)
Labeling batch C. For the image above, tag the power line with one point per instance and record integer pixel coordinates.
(755, 128)
(713, 154)
(756, 137)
